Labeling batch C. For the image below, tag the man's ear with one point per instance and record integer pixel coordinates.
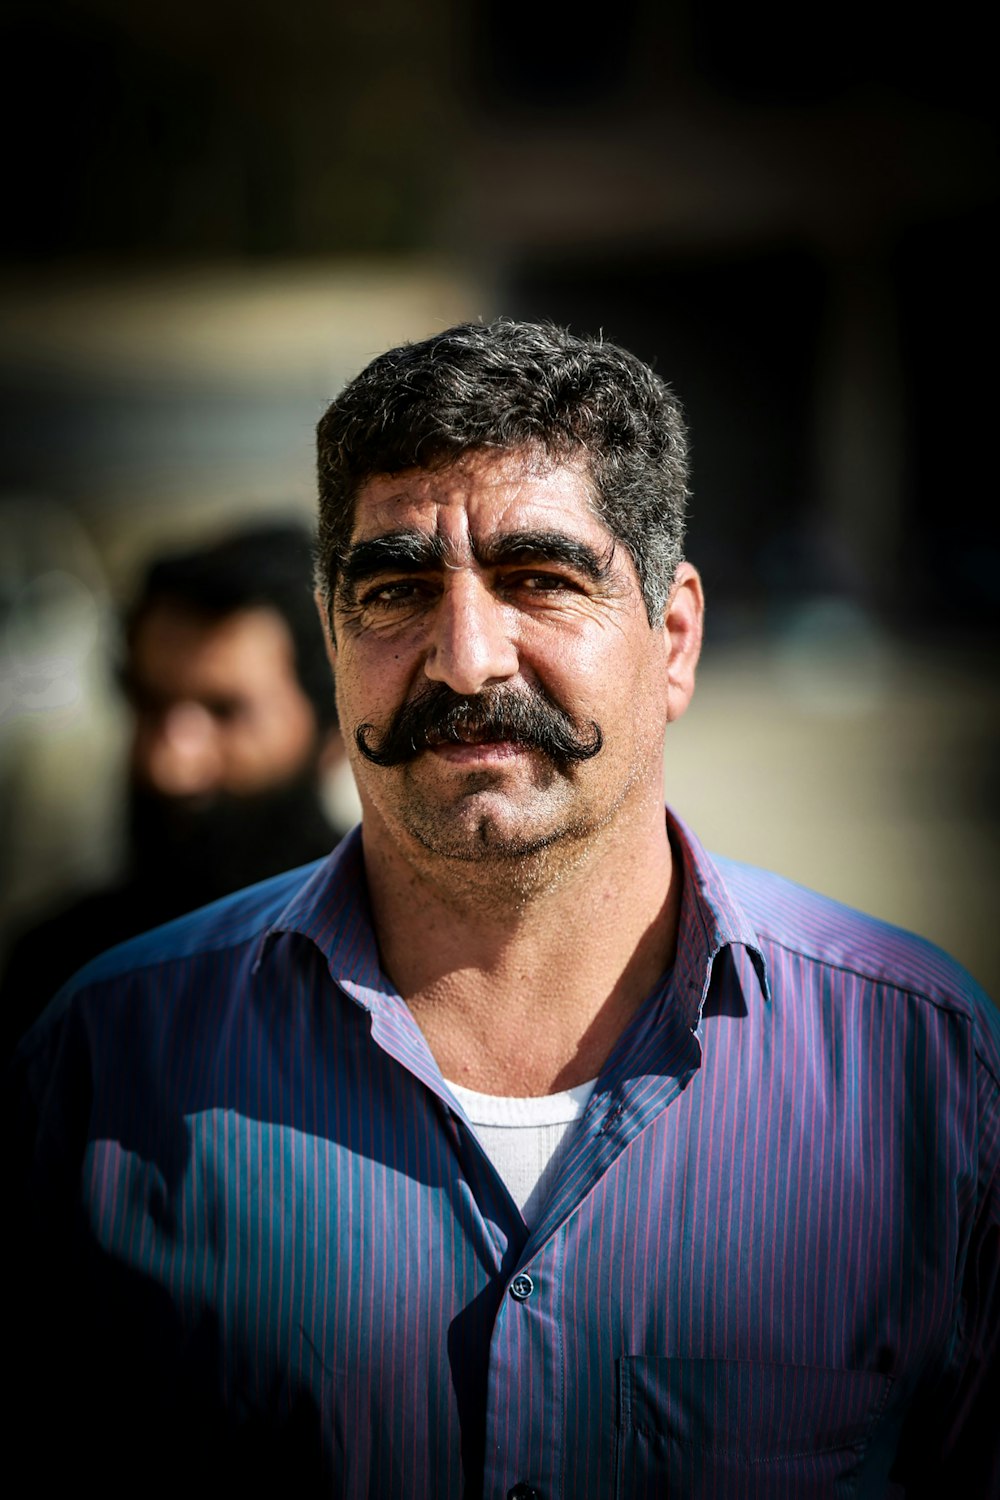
(683, 624)
(325, 608)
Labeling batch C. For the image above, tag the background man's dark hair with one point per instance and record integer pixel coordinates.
(507, 386)
(268, 565)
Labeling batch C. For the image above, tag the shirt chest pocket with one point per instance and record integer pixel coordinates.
(710, 1429)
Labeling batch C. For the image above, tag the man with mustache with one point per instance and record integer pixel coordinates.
(519, 1148)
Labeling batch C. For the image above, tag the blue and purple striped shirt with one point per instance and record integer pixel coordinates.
(263, 1247)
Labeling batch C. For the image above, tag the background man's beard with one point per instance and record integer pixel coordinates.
(196, 849)
(523, 716)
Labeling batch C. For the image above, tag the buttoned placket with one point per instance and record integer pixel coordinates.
(525, 1421)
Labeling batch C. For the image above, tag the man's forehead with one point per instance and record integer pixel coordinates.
(166, 616)
(170, 636)
(480, 495)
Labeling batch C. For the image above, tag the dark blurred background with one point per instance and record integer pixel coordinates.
(216, 213)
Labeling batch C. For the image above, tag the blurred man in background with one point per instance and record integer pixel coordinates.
(234, 734)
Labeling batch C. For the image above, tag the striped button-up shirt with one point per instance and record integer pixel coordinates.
(265, 1251)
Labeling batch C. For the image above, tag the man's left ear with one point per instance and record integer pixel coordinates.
(683, 623)
(325, 612)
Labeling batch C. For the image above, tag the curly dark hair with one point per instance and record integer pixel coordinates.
(511, 385)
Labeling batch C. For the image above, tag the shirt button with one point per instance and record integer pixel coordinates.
(522, 1287)
(522, 1492)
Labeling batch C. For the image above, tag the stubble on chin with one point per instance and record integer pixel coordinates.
(483, 820)
(509, 854)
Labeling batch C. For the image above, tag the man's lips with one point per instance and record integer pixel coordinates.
(473, 748)
(463, 735)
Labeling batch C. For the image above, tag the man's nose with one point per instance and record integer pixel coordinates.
(178, 754)
(471, 645)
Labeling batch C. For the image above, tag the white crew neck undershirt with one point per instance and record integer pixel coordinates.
(525, 1139)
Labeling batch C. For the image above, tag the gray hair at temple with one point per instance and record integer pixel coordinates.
(514, 386)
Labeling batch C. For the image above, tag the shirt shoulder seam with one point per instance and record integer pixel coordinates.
(949, 1006)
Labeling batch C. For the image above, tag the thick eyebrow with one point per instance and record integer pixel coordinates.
(393, 552)
(512, 547)
(418, 552)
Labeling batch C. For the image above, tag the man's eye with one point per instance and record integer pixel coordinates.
(542, 583)
(402, 591)
(225, 710)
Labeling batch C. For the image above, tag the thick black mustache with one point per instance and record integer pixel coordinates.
(439, 716)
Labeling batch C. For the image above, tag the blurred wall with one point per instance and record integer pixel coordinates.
(218, 214)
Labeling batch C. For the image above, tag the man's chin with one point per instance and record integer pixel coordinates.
(484, 822)
(483, 843)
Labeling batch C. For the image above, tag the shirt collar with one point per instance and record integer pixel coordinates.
(711, 920)
(332, 910)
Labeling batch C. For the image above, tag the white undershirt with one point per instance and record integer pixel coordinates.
(525, 1139)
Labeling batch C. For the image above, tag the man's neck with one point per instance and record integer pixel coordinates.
(523, 979)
